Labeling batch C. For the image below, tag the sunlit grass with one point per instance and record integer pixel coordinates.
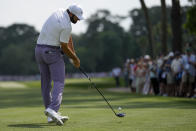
(22, 109)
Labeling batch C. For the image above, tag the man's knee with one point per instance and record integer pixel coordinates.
(59, 84)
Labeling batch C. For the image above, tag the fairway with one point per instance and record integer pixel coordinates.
(21, 109)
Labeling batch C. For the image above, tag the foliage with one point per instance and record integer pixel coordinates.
(104, 45)
(104, 41)
(16, 60)
(191, 20)
(139, 31)
(17, 50)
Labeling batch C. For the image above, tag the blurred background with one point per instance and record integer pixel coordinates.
(112, 32)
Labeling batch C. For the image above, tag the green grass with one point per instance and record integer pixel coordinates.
(21, 109)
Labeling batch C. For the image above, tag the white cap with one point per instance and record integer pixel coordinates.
(147, 57)
(76, 10)
(171, 54)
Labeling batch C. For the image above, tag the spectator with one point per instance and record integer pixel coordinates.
(131, 75)
(147, 64)
(188, 75)
(169, 77)
(126, 72)
(160, 61)
(162, 77)
(154, 83)
(116, 74)
(176, 67)
(140, 77)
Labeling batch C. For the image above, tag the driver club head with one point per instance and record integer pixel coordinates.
(120, 114)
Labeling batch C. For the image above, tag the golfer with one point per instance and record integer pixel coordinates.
(55, 38)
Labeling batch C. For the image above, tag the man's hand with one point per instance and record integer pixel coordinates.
(66, 49)
(76, 62)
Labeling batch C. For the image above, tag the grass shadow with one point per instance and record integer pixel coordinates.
(180, 104)
(31, 125)
(85, 97)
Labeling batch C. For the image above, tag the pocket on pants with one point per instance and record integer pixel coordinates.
(51, 56)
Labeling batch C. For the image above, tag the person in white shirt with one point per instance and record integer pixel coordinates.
(116, 74)
(131, 75)
(55, 38)
(188, 75)
(176, 67)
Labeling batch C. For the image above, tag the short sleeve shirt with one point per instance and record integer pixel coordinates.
(176, 65)
(187, 66)
(56, 29)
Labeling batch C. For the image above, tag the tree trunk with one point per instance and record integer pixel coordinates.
(163, 27)
(176, 24)
(148, 26)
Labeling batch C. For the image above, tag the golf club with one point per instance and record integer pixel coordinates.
(93, 84)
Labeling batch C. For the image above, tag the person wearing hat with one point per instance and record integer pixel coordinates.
(176, 68)
(55, 39)
(169, 75)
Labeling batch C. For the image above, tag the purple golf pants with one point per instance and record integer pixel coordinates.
(52, 68)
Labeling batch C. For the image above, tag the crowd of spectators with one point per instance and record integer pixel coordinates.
(171, 75)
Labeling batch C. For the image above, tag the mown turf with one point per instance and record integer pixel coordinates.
(22, 110)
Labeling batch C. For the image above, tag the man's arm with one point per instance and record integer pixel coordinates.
(70, 44)
(69, 51)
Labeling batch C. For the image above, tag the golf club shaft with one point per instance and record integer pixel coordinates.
(81, 70)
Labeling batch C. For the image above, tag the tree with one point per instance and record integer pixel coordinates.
(191, 20)
(164, 27)
(17, 60)
(176, 24)
(149, 26)
(104, 43)
(17, 50)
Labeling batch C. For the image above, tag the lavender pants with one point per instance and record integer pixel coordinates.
(52, 68)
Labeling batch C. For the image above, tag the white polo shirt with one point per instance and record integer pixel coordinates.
(176, 65)
(56, 29)
(189, 67)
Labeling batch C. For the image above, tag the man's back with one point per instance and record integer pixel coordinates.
(52, 29)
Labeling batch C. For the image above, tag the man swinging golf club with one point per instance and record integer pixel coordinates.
(55, 37)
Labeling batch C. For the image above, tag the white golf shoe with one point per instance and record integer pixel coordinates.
(50, 120)
(63, 119)
(55, 116)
